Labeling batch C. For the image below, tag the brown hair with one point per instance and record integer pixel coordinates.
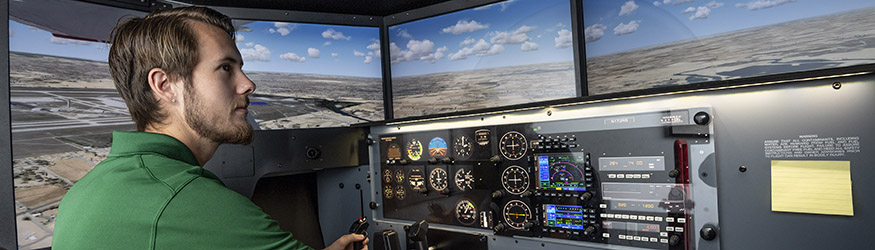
(163, 39)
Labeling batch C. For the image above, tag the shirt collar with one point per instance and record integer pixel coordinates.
(127, 142)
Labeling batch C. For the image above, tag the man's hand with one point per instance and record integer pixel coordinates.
(345, 242)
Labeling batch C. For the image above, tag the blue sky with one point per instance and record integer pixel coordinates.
(619, 25)
(331, 53)
(509, 33)
(23, 38)
(310, 48)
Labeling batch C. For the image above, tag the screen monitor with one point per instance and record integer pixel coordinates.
(494, 55)
(631, 45)
(311, 75)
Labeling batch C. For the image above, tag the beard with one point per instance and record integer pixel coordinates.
(207, 126)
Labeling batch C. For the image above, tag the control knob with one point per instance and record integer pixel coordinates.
(497, 194)
(448, 160)
(433, 161)
(674, 240)
(404, 161)
(586, 196)
(589, 230)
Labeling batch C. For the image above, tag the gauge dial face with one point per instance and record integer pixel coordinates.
(437, 147)
(399, 176)
(513, 145)
(563, 172)
(462, 147)
(387, 175)
(393, 152)
(414, 149)
(515, 179)
(417, 179)
(400, 193)
(388, 192)
(464, 179)
(438, 179)
(516, 214)
(482, 137)
(466, 213)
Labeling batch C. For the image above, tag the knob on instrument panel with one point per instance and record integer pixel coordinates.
(674, 240)
(586, 196)
(589, 230)
(674, 173)
(709, 232)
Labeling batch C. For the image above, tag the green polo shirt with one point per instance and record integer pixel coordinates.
(150, 193)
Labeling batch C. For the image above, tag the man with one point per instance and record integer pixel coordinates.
(181, 76)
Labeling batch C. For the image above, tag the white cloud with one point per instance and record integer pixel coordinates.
(238, 38)
(374, 46)
(250, 44)
(628, 8)
(404, 34)
(357, 53)
(258, 53)
(593, 33)
(368, 59)
(437, 55)
(666, 1)
(714, 5)
(313, 52)
(679, 2)
(518, 36)
(65, 41)
(468, 41)
(626, 28)
(292, 57)
(504, 5)
(333, 34)
(701, 13)
(334, 55)
(564, 39)
(689, 10)
(763, 4)
(463, 26)
(656, 3)
(244, 29)
(529, 46)
(558, 26)
(326, 43)
(282, 28)
(481, 48)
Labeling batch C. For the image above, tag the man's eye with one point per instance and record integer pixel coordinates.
(226, 67)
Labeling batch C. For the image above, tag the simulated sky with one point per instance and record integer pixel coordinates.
(509, 33)
(24, 38)
(613, 26)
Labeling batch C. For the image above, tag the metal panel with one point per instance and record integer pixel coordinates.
(342, 200)
(8, 235)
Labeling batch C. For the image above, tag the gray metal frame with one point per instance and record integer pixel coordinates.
(8, 234)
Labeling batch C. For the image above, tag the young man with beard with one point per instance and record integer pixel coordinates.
(181, 76)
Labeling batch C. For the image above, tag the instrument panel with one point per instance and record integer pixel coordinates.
(570, 180)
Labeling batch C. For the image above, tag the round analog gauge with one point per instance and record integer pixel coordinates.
(388, 192)
(387, 175)
(513, 145)
(438, 179)
(482, 136)
(464, 179)
(437, 147)
(515, 179)
(399, 176)
(466, 213)
(414, 149)
(417, 179)
(462, 146)
(563, 172)
(516, 214)
(400, 193)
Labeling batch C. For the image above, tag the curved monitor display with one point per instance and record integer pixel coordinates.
(495, 55)
(649, 44)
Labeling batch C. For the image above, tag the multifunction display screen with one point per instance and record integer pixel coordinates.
(562, 172)
(568, 217)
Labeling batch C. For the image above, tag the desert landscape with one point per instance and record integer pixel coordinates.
(476, 89)
(835, 40)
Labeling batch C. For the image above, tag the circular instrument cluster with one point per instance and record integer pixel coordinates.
(414, 149)
(513, 145)
(515, 179)
(462, 147)
(438, 179)
(516, 214)
(464, 179)
(437, 147)
(466, 212)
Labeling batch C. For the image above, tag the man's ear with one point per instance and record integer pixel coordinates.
(162, 87)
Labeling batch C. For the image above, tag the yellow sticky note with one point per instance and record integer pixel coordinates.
(816, 187)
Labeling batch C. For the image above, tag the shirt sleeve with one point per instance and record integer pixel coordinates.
(206, 215)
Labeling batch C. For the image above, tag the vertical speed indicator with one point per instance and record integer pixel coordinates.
(513, 145)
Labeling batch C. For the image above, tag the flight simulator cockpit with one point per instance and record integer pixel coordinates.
(483, 124)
